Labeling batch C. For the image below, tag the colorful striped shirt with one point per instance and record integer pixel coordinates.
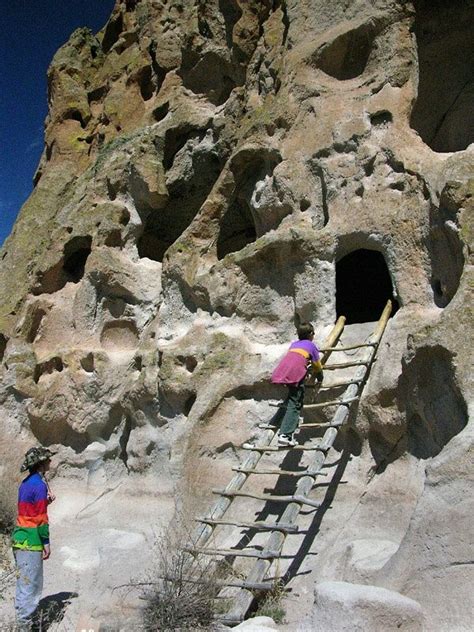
(32, 527)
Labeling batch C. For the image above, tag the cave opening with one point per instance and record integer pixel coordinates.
(76, 252)
(112, 33)
(443, 114)
(445, 247)
(3, 346)
(211, 75)
(363, 286)
(239, 225)
(237, 229)
(75, 115)
(347, 56)
(231, 13)
(53, 365)
(175, 139)
(146, 83)
(36, 320)
(163, 227)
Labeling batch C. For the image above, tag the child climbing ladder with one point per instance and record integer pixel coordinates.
(292, 370)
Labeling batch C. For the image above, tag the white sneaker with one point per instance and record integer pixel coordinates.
(287, 441)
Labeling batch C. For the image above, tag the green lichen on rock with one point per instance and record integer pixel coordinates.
(267, 116)
(224, 354)
(21, 252)
(112, 147)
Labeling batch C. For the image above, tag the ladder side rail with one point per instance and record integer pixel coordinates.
(204, 531)
(382, 323)
(332, 338)
(276, 539)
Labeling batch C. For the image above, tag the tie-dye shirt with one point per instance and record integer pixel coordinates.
(32, 527)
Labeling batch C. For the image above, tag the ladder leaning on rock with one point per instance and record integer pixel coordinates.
(257, 577)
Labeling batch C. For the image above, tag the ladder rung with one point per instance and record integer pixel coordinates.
(236, 583)
(339, 384)
(274, 448)
(322, 425)
(361, 346)
(333, 402)
(262, 555)
(346, 365)
(249, 585)
(259, 525)
(275, 471)
(302, 500)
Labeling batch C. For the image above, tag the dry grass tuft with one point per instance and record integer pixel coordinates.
(11, 457)
(271, 605)
(8, 499)
(181, 589)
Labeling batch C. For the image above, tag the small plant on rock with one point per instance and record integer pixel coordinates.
(182, 589)
(8, 501)
(270, 605)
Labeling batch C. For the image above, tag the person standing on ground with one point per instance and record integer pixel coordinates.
(302, 356)
(30, 537)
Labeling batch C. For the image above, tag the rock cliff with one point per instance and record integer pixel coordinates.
(215, 172)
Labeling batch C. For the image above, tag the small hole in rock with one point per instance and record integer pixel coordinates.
(189, 404)
(161, 111)
(112, 33)
(381, 118)
(87, 363)
(3, 346)
(145, 82)
(36, 321)
(74, 115)
(52, 365)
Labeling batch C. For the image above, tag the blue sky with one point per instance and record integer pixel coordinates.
(32, 31)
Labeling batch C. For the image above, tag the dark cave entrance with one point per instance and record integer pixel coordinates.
(237, 229)
(444, 110)
(238, 225)
(164, 226)
(347, 56)
(363, 286)
(76, 253)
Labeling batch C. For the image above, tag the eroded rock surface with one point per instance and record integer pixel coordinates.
(213, 173)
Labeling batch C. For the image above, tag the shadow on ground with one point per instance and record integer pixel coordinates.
(51, 609)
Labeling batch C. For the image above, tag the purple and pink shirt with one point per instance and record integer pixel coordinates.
(293, 367)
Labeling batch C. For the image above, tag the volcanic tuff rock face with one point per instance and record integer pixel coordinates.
(209, 167)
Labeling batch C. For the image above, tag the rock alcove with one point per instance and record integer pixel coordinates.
(444, 111)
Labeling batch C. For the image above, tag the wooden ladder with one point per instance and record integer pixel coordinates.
(257, 578)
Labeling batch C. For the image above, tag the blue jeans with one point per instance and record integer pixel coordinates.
(29, 584)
